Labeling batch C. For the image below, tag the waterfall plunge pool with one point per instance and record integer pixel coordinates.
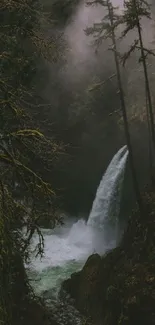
(67, 247)
(65, 252)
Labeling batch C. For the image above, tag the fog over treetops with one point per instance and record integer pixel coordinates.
(90, 121)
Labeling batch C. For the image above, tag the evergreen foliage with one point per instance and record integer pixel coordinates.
(24, 196)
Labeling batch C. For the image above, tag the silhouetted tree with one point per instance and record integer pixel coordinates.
(134, 11)
(106, 30)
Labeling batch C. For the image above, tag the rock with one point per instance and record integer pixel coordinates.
(70, 286)
(119, 288)
(93, 260)
(83, 285)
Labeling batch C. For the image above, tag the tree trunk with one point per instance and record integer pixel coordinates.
(150, 151)
(125, 119)
(148, 92)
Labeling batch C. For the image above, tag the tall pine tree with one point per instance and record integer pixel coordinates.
(134, 11)
(106, 30)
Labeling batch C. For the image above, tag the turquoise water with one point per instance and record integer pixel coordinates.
(65, 252)
(67, 247)
(48, 281)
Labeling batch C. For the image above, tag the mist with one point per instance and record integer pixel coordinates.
(81, 57)
(87, 120)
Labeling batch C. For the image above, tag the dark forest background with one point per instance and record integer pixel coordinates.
(84, 113)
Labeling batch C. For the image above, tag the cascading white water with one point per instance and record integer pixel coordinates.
(106, 206)
(67, 247)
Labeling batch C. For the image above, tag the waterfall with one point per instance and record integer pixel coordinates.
(106, 206)
(68, 246)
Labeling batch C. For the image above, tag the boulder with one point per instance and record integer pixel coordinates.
(83, 285)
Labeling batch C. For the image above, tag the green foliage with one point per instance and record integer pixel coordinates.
(61, 11)
(24, 196)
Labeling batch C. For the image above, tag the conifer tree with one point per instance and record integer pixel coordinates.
(21, 44)
(106, 30)
(134, 11)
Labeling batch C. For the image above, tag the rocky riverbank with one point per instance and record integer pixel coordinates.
(119, 288)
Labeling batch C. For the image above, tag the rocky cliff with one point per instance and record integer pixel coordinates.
(119, 288)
